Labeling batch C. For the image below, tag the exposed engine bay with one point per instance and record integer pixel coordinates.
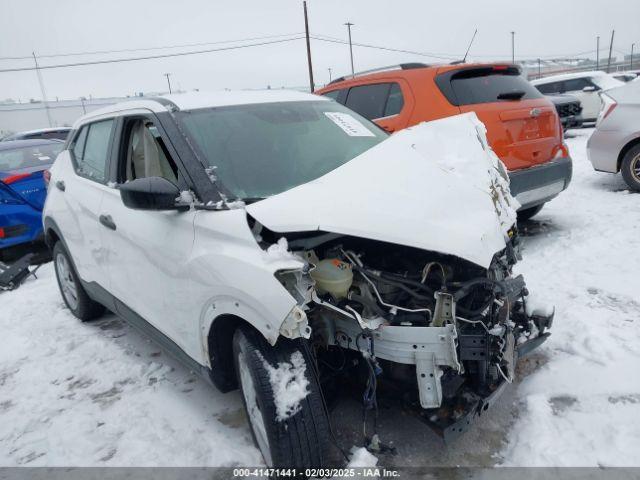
(441, 331)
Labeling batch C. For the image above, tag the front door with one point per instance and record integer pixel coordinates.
(148, 250)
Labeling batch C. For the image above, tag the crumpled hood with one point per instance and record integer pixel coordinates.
(437, 186)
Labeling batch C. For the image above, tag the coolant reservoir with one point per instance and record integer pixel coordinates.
(333, 276)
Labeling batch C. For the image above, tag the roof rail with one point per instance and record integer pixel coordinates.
(401, 66)
(165, 102)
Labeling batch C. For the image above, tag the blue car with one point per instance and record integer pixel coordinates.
(23, 189)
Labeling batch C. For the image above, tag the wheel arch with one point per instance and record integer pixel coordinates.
(219, 344)
(623, 152)
(51, 233)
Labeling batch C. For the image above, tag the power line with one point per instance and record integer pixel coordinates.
(149, 57)
(452, 56)
(145, 49)
(378, 47)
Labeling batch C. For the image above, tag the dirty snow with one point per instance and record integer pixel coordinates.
(101, 394)
(289, 385)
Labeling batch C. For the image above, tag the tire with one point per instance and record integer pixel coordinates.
(631, 168)
(300, 440)
(73, 294)
(529, 213)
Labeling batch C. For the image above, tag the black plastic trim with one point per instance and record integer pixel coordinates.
(539, 176)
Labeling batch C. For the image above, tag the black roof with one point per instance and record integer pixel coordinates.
(14, 144)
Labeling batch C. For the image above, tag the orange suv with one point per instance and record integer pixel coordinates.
(522, 125)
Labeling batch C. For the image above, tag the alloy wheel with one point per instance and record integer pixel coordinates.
(67, 284)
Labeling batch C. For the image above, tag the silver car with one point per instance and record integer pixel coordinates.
(615, 144)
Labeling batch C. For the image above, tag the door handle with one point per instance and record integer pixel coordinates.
(107, 221)
(60, 185)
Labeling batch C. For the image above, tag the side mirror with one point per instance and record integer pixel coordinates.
(151, 193)
(589, 89)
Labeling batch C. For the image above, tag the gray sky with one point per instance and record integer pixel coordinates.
(543, 28)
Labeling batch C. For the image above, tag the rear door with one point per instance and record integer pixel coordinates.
(522, 125)
(79, 178)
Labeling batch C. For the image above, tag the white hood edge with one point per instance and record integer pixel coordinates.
(437, 186)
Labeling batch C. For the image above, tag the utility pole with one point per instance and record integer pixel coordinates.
(306, 29)
(330, 73)
(539, 70)
(513, 47)
(44, 94)
(610, 51)
(349, 25)
(168, 81)
(598, 52)
(631, 59)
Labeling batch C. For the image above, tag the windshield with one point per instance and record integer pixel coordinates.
(260, 150)
(26, 157)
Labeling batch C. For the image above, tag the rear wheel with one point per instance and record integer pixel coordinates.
(289, 433)
(73, 294)
(631, 168)
(528, 213)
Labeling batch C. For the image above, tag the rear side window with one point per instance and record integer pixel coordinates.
(486, 85)
(334, 94)
(550, 88)
(91, 150)
(375, 101)
(395, 102)
(368, 100)
(576, 84)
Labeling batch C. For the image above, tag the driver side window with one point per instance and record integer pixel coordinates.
(145, 153)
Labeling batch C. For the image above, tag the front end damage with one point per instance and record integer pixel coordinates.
(410, 283)
(442, 333)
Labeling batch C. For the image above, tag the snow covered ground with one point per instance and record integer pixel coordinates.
(101, 394)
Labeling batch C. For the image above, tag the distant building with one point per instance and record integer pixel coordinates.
(17, 117)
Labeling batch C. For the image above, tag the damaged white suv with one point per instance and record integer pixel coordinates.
(278, 242)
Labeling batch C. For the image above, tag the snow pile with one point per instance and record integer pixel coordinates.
(289, 384)
(362, 458)
(581, 407)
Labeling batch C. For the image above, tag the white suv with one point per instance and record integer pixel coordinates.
(585, 86)
(280, 242)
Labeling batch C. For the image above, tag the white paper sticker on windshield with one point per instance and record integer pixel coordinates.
(44, 158)
(349, 124)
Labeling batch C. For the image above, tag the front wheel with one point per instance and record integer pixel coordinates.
(631, 168)
(73, 294)
(283, 401)
(529, 213)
